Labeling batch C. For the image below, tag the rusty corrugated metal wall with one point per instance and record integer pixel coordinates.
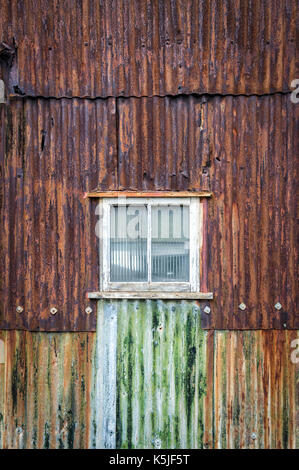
(243, 150)
(188, 388)
(55, 151)
(178, 386)
(240, 148)
(133, 101)
(45, 397)
(166, 47)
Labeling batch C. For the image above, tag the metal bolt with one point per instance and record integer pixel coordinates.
(88, 310)
(242, 306)
(53, 310)
(207, 309)
(284, 325)
(19, 309)
(277, 306)
(253, 436)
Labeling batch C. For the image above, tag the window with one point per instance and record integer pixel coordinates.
(150, 244)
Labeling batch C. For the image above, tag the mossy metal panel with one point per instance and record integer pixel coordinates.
(161, 375)
(177, 386)
(182, 387)
(255, 398)
(47, 390)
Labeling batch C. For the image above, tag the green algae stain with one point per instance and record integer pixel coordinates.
(161, 376)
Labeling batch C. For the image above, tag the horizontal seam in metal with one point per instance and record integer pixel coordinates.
(196, 95)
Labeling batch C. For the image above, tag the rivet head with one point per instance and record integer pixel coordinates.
(207, 309)
(242, 306)
(88, 310)
(284, 325)
(253, 436)
(19, 309)
(53, 311)
(277, 306)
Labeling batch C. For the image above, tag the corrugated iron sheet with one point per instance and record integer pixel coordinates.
(177, 385)
(70, 48)
(161, 375)
(55, 150)
(47, 387)
(254, 390)
(181, 387)
(241, 148)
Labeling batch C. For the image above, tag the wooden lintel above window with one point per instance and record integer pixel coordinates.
(148, 194)
(151, 295)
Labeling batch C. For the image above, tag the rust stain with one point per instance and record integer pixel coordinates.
(45, 397)
(254, 390)
(54, 151)
(227, 389)
(241, 152)
(150, 48)
(239, 148)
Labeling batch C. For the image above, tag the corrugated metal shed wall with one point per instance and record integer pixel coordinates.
(47, 390)
(227, 384)
(241, 148)
(161, 375)
(178, 386)
(188, 388)
(55, 151)
(73, 48)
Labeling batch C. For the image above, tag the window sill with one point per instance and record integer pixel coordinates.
(150, 295)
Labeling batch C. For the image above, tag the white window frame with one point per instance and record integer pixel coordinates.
(195, 220)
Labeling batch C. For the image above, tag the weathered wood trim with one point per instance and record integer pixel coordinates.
(149, 194)
(150, 295)
(193, 285)
(195, 227)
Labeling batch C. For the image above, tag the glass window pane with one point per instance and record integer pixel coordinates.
(128, 244)
(170, 243)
